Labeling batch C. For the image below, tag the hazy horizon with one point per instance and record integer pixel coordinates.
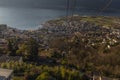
(29, 14)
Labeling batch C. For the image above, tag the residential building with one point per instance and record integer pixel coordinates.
(6, 74)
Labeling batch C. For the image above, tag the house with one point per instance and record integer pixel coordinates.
(5, 58)
(97, 76)
(103, 78)
(3, 27)
(6, 74)
(3, 43)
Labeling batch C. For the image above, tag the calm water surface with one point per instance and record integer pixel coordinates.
(32, 18)
(27, 18)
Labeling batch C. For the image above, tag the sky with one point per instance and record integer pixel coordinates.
(59, 4)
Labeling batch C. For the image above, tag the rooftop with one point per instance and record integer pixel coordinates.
(5, 58)
(5, 73)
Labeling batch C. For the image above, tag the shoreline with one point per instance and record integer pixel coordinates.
(41, 25)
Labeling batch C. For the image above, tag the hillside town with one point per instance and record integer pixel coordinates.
(55, 43)
(88, 30)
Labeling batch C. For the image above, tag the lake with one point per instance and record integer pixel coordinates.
(32, 18)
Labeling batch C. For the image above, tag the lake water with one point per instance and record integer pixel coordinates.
(27, 18)
(32, 18)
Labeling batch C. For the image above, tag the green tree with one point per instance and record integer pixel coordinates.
(29, 50)
(1, 51)
(12, 46)
(45, 76)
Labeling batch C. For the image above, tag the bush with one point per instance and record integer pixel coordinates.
(45, 76)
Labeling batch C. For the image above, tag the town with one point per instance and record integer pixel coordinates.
(84, 45)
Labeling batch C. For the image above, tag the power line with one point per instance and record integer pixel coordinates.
(73, 9)
(70, 11)
(74, 6)
(67, 8)
(106, 6)
(67, 12)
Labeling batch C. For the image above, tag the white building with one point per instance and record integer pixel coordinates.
(6, 74)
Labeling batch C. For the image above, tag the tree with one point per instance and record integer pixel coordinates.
(12, 46)
(29, 50)
(1, 51)
(45, 76)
